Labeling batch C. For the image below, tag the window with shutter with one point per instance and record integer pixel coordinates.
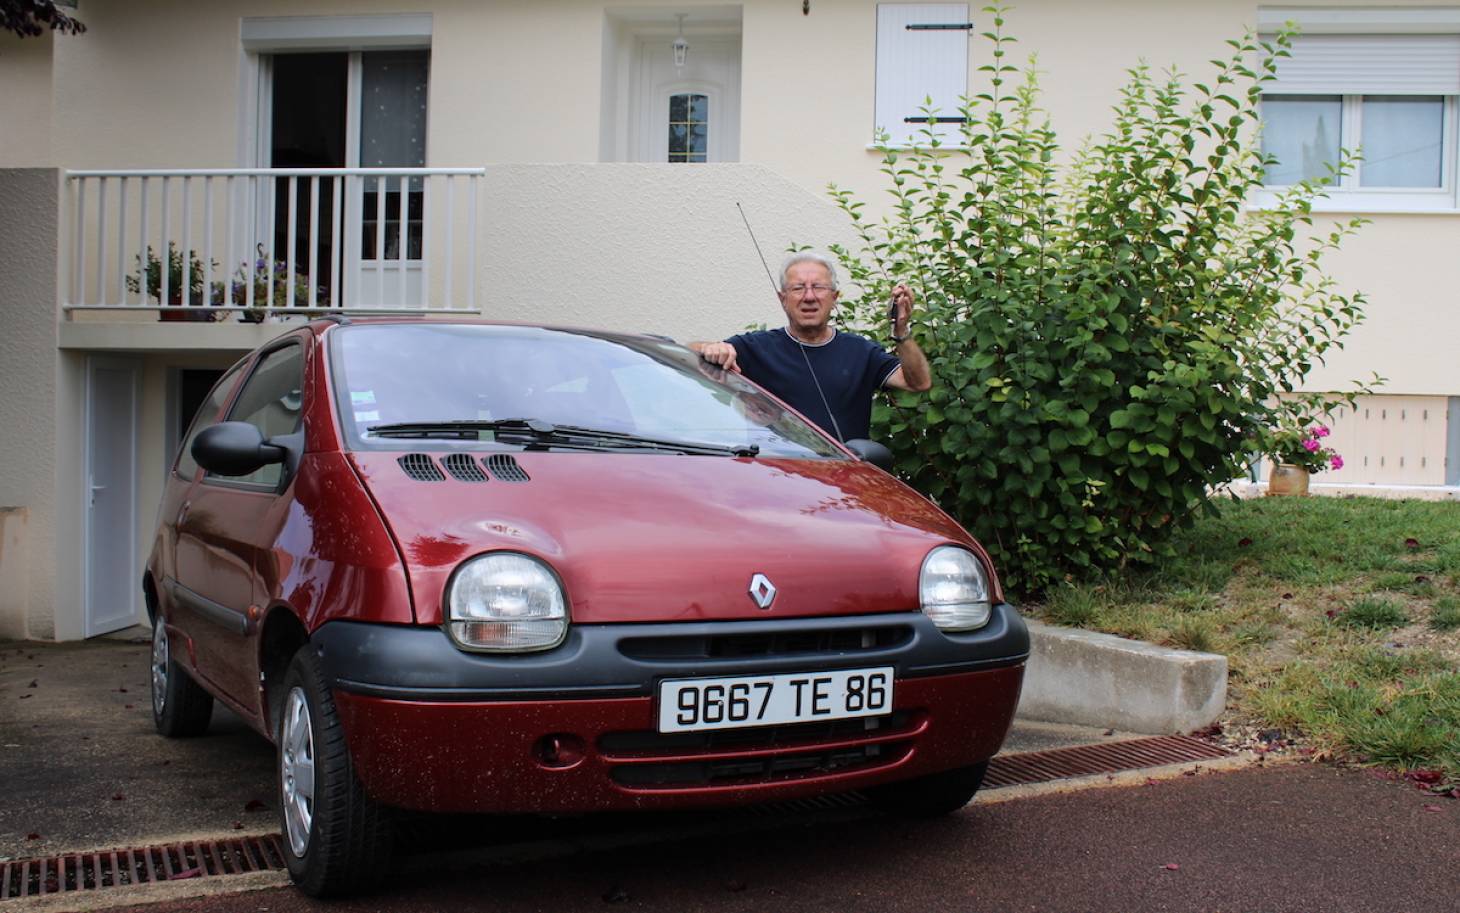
(922, 54)
(1391, 97)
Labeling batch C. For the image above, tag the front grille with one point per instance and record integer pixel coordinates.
(779, 643)
(421, 467)
(758, 770)
(729, 757)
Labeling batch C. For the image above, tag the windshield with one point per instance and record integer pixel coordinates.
(473, 387)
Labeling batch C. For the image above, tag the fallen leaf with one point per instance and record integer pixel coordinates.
(1421, 578)
(1172, 866)
(186, 873)
(121, 690)
(34, 683)
(238, 825)
(1244, 542)
(254, 805)
(1287, 595)
(1411, 543)
(127, 706)
(24, 696)
(32, 836)
(117, 797)
(1433, 808)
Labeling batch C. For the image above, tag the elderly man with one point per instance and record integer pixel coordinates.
(827, 375)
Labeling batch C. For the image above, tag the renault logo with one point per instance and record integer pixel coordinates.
(762, 591)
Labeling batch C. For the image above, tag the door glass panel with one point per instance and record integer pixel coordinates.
(272, 401)
(689, 122)
(1403, 139)
(1302, 132)
(392, 135)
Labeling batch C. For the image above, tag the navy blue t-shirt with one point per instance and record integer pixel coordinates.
(849, 367)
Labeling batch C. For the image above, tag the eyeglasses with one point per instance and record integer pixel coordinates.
(800, 289)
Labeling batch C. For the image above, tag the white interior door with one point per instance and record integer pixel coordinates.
(112, 571)
(688, 113)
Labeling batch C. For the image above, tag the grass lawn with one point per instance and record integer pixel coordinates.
(1340, 619)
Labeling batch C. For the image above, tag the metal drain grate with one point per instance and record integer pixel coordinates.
(139, 865)
(1100, 758)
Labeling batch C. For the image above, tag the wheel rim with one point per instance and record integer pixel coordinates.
(296, 770)
(159, 666)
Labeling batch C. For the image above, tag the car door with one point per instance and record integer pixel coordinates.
(222, 528)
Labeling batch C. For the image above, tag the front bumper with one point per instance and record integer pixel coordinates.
(573, 729)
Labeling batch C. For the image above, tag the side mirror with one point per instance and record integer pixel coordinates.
(871, 452)
(234, 449)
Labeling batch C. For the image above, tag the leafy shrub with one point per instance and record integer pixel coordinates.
(1109, 338)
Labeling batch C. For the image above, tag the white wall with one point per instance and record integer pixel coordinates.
(28, 406)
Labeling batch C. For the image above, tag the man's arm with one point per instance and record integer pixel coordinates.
(914, 374)
(720, 353)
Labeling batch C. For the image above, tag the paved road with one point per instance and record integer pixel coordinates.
(1261, 840)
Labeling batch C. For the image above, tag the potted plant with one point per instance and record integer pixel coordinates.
(270, 291)
(1297, 451)
(151, 274)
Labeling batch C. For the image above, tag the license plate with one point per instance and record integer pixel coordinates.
(692, 704)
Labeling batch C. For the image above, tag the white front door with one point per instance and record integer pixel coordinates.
(112, 575)
(688, 113)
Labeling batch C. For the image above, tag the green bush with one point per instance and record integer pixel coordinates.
(1108, 338)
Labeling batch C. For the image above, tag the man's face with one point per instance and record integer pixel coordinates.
(807, 306)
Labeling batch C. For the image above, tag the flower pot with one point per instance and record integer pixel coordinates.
(1287, 479)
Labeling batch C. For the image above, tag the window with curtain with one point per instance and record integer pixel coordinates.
(392, 135)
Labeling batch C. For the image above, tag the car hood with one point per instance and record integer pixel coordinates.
(661, 537)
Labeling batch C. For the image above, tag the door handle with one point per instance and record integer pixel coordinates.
(94, 489)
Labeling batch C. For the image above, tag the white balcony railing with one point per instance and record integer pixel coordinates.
(267, 240)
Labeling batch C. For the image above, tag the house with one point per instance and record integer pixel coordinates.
(577, 161)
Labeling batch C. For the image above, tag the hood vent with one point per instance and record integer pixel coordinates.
(421, 467)
(463, 467)
(504, 468)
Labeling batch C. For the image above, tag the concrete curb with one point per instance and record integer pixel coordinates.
(1093, 679)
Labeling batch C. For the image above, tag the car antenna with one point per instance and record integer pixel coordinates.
(775, 290)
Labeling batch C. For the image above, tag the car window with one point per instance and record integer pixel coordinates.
(207, 414)
(272, 401)
(398, 373)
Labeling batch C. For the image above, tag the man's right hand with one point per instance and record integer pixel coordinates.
(721, 354)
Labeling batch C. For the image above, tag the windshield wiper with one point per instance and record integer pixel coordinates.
(536, 433)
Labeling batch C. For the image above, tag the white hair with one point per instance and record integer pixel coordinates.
(809, 256)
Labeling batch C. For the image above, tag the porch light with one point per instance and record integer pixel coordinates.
(681, 47)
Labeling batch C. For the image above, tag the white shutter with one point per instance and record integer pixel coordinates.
(913, 64)
(1370, 65)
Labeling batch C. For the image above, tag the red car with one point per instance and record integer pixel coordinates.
(473, 567)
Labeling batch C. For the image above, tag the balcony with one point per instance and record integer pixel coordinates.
(256, 245)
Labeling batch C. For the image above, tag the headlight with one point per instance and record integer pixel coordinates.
(953, 589)
(508, 603)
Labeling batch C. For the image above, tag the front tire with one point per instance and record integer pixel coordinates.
(336, 839)
(932, 796)
(180, 706)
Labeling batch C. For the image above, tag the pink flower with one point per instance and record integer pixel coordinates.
(1337, 461)
(1311, 445)
(1320, 430)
